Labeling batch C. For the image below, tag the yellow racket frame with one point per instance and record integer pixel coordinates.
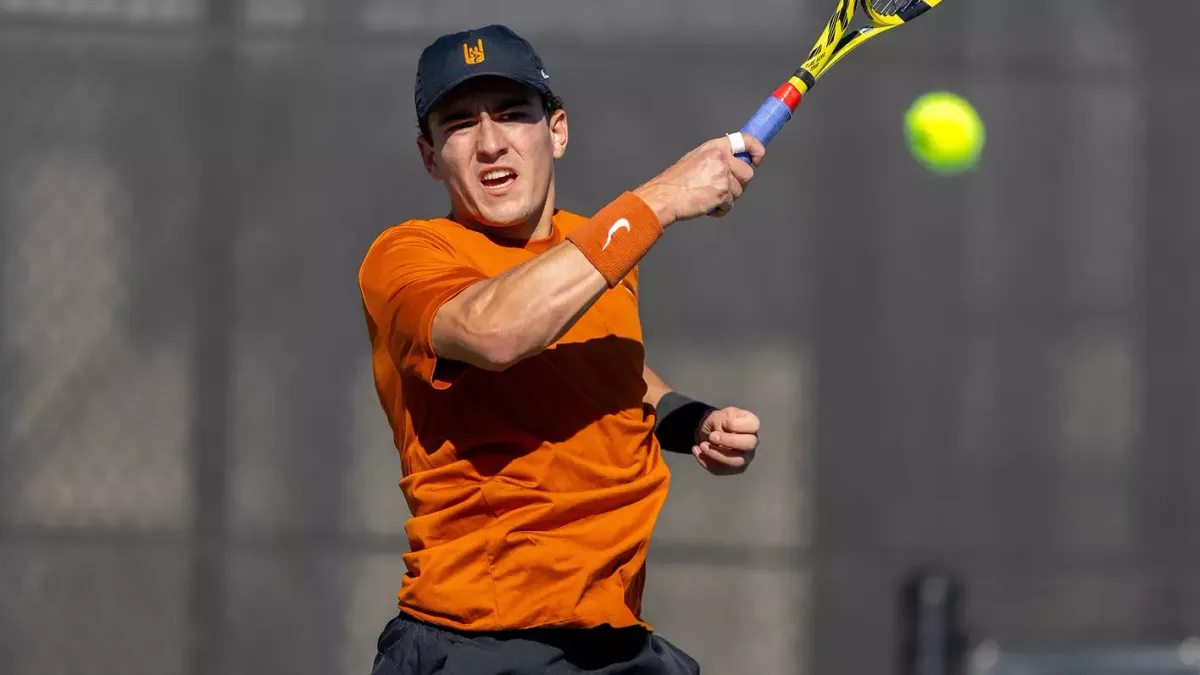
(834, 42)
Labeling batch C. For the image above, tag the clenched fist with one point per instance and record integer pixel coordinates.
(726, 440)
(707, 178)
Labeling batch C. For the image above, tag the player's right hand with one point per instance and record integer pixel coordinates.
(707, 178)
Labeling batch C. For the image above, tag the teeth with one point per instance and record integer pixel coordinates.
(496, 174)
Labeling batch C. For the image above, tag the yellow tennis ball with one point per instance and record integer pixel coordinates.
(944, 132)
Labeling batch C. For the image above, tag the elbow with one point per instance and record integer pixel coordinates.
(496, 345)
(497, 355)
(484, 334)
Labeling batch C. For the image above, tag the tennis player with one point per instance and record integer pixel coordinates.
(508, 357)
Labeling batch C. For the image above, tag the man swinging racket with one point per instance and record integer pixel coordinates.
(508, 357)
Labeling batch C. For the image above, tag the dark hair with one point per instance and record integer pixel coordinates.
(551, 103)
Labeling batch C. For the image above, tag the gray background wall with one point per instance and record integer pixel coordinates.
(996, 371)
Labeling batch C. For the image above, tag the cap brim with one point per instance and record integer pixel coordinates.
(539, 87)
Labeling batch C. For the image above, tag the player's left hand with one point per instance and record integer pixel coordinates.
(726, 441)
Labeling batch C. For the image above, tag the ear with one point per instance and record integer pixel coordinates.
(429, 158)
(558, 132)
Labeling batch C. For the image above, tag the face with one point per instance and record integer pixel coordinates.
(493, 147)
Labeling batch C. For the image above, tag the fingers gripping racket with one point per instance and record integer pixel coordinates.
(836, 41)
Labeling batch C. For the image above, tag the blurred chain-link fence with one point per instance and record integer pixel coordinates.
(998, 371)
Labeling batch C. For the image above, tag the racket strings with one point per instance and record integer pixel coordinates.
(892, 7)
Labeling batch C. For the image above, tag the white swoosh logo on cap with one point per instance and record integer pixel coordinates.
(622, 223)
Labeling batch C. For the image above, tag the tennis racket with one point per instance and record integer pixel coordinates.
(837, 40)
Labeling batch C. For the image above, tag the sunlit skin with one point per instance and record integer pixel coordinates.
(493, 148)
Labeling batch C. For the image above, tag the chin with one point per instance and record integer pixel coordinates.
(506, 216)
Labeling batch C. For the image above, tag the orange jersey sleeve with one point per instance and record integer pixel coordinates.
(406, 276)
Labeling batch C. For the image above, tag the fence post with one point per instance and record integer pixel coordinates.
(933, 638)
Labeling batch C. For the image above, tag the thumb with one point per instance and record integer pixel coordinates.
(740, 422)
(755, 148)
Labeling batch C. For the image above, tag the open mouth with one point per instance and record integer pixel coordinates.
(498, 179)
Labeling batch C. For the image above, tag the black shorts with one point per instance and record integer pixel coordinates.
(409, 646)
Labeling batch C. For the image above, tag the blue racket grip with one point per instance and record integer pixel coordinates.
(769, 119)
(766, 122)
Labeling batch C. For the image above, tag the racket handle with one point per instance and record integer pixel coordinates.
(770, 117)
(766, 122)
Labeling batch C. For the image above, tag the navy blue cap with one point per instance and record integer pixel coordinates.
(491, 50)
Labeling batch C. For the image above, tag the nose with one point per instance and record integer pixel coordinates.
(490, 142)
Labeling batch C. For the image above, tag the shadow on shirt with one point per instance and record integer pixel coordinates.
(557, 396)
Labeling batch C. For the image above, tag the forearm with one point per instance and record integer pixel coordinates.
(497, 322)
(656, 387)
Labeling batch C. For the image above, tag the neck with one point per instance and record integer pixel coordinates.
(537, 226)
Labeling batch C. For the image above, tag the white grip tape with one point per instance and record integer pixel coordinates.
(738, 143)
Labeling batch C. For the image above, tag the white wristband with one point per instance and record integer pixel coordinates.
(738, 143)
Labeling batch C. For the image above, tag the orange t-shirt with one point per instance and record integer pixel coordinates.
(534, 490)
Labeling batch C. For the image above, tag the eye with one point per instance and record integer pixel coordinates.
(456, 126)
(513, 114)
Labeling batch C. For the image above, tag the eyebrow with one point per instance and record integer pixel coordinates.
(513, 102)
(460, 114)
